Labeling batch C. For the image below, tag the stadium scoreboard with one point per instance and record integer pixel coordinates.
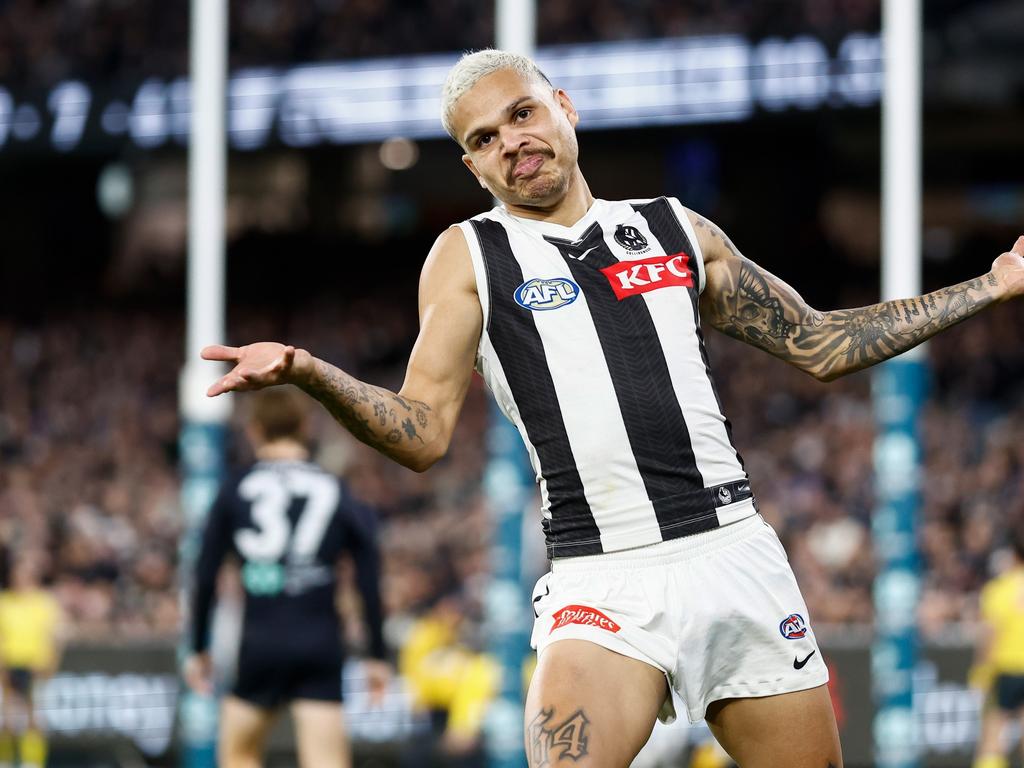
(703, 79)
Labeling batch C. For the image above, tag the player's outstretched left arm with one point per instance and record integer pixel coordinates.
(751, 304)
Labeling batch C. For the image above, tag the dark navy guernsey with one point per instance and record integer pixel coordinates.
(288, 523)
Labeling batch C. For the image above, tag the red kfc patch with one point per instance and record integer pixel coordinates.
(630, 278)
(581, 614)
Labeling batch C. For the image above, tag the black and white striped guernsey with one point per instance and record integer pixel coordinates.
(592, 347)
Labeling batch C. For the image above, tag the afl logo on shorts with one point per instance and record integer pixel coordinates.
(539, 294)
(793, 627)
(630, 238)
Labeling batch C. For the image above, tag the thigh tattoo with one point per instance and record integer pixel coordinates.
(544, 739)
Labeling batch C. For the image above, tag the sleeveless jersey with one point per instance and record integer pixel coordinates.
(592, 347)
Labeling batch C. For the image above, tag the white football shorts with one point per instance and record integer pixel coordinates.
(718, 612)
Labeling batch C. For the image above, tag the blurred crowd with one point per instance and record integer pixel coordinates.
(88, 431)
(88, 473)
(44, 41)
(88, 461)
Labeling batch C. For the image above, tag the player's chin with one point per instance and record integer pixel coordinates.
(540, 190)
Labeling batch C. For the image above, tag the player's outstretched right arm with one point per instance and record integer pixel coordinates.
(414, 425)
(749, 303)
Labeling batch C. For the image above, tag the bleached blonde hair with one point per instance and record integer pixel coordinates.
(476, 65)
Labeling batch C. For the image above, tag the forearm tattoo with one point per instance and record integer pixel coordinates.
(376, 416)
(549, 743)
(754, 306)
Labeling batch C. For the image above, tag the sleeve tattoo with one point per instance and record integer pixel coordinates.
(377, 417)
(754, 306)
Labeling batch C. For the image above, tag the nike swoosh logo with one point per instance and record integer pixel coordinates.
(800, 664)
(584, 254)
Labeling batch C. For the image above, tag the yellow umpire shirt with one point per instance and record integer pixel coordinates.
(28, 626)
(1002, 607)
(446, 675)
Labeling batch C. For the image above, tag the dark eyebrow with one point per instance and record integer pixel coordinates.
(509, 110)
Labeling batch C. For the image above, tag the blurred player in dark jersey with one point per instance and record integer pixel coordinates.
(288, 522)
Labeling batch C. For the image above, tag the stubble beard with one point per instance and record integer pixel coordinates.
(544, 189)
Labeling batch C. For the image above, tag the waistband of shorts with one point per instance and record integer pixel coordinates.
(663, 552)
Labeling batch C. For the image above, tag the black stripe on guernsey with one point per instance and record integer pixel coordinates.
(513, 332)
(670, 233)
(643, 387)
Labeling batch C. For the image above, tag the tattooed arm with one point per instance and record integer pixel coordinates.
(414, 425)
(750, 304)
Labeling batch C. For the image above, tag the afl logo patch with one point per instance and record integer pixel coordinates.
(630, 238)
(793, 627)
(540, 294)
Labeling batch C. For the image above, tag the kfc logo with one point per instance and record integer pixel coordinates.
(629, 278)
(581, 614)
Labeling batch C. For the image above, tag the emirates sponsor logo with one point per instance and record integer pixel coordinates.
(629, 278)
(582, 614)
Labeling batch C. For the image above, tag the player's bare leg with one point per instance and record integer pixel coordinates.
(791, 730)
(1020, 744)
(991, 750)
(590, 707)
(11, 704)
(320, 734)
(243, 733)
(32, 746)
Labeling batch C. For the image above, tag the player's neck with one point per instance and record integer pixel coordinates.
(572, 207)
(282, 450)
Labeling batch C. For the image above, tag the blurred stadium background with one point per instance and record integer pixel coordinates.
(765, 116)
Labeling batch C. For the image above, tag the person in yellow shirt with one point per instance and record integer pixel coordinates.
(999, 664)
(31, 642)
(451, 681)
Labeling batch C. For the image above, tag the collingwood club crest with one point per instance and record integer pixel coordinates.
(630, 238)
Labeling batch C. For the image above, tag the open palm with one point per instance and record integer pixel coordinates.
(259, 365)
(1009, 269)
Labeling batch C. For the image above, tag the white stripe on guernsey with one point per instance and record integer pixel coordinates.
(593, 422)
(691, 233)
(735, 511)
(479, 270)
(672, 313)
(680, 212)
(494, 375)
(489, 367)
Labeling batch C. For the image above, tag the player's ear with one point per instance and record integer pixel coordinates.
(565, 103)
(472, 169)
